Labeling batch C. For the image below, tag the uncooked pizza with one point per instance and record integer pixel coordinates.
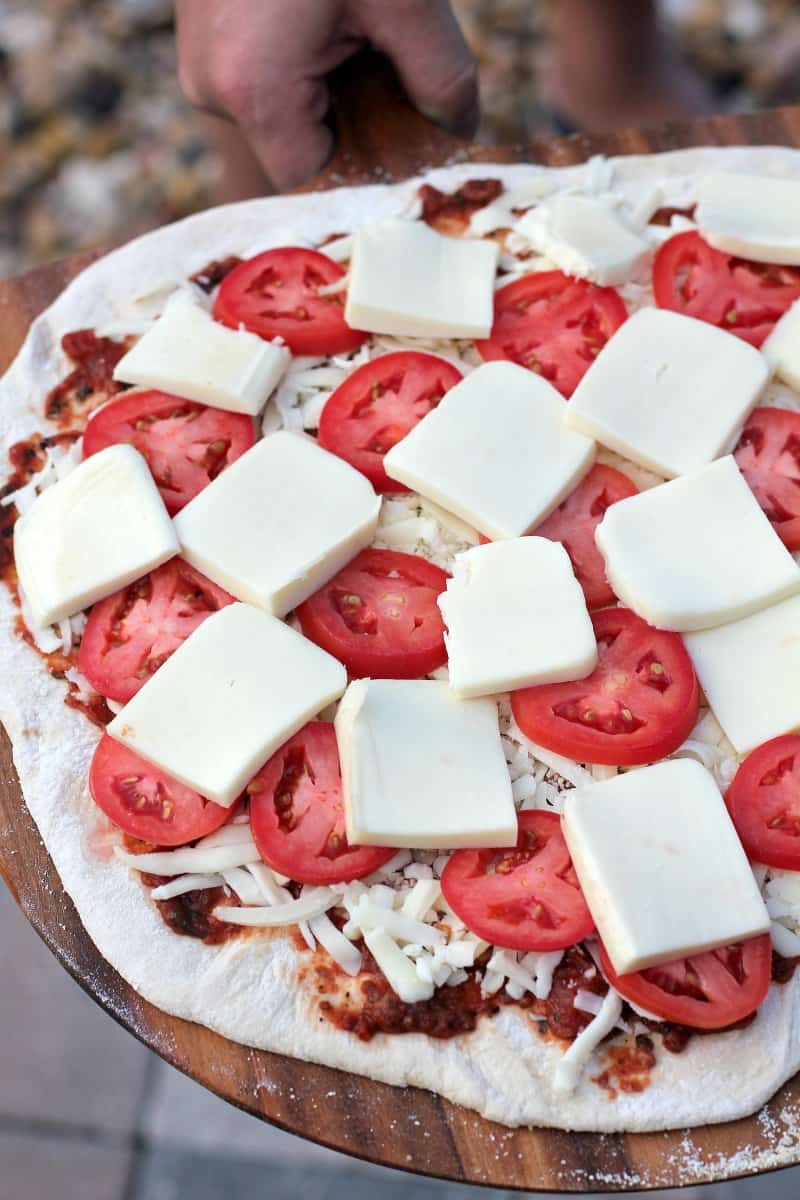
(400, 628)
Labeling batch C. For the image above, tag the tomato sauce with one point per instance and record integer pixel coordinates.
(663, 216)
(783, 968)
(629, 1067)
(450, 212)
(91, 382)
(369, 1006)
(191, 915)
(212, 274)
(576, 972)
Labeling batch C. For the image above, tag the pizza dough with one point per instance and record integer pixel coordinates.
(246, 990)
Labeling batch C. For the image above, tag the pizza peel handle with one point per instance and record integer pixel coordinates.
(379, 136)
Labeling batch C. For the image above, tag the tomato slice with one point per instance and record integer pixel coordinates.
(277, 294)
(379, 616)
(573, 524)
(145, 802)
(378, 405)
(704, 991)
(186, 444)
(524, 898)
(743, 297)
(553, 324)
(768, 455)
(130, 634)
(297, 813)
(764, 803)
(638, 705)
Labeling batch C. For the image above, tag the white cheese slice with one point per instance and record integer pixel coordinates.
(695, 552)
(641, 394)
(515, 616)
(421, 768)
(94, 531)
(279, 523)
(782, 347)
(751, 215)
(661, 866)
(495, 451)
(749, 671)
(584, 236)
(234, 692)
(191, 355)
(408, 280)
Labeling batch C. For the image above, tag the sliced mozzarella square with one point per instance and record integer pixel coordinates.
(782, 347)
(96, 530)
(407, 280)
(641, 394)
(421, 768)
(189, 354)
(695, 552)
(234, 692)
(495, 451)
(749, 671)
(751, 215)
(585, 237)
(661, 865)
(515, 616)
(279, 523)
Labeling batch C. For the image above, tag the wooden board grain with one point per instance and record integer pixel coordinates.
(380, 138)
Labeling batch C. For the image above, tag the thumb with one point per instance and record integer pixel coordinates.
(436, 67)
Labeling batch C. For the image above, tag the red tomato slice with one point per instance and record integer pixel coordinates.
(186, 444)
(704, 991)
(130, 634)
(378, 405)
(379, 616)
(276, 294)
(638, 705)
(145, 802)
(768, 455)
(524, 898)
(297, 813)
(764, 803)
(553, 324)
(573, 524)
(743, 297)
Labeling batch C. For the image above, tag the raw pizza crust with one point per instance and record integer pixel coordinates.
(246, 989)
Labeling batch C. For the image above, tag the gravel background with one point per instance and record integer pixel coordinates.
(96, 140)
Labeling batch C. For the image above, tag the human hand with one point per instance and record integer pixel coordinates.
(263, 63)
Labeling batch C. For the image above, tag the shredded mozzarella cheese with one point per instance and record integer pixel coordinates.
(403, 976)
(312, 903)
(574, 1059)
(340, 249)
(421, 898)
(185, 883)
(342, 951)
(200, 859)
